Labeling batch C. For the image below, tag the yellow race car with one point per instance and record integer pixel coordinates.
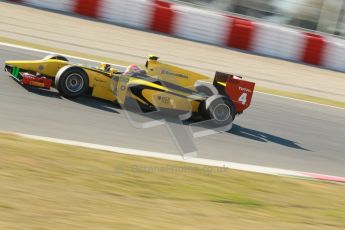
(158, 86)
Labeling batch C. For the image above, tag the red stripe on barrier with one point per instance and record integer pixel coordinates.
(241, 33)
(163, 17)
(314, 49)
(87, 7)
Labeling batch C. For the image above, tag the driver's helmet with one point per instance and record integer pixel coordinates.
(106, 67)
(133, 69)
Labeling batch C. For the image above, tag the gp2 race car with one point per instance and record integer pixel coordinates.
(159, 86)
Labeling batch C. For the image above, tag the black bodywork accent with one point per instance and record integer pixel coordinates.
(220, 77)
(164, 83)
(137, 90)
(96, 70)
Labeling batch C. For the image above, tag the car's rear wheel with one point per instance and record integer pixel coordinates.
(219, 110)
(72, 82)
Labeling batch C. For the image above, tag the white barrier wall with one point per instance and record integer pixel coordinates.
(334, 57)
(278, 42)
(60, 5)
(198, 25)
(133, 13)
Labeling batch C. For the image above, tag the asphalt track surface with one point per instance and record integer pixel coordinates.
(274, 132)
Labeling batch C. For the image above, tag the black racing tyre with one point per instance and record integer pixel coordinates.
(71, 82)
(219, 109)
(55, 56)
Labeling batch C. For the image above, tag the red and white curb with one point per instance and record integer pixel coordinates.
(198, 161)
(210, 27)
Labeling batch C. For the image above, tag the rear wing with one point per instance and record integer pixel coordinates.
(239, 91)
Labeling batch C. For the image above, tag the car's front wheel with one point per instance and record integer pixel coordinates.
(72, 82)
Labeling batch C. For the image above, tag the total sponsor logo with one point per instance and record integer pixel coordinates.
(244, 89)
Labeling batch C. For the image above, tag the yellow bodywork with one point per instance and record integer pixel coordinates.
(173, 74)
(113, 87)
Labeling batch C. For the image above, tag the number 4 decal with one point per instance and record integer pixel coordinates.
(243, 98)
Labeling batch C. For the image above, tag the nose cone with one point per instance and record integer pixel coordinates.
(16, 63)
(27, 65)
